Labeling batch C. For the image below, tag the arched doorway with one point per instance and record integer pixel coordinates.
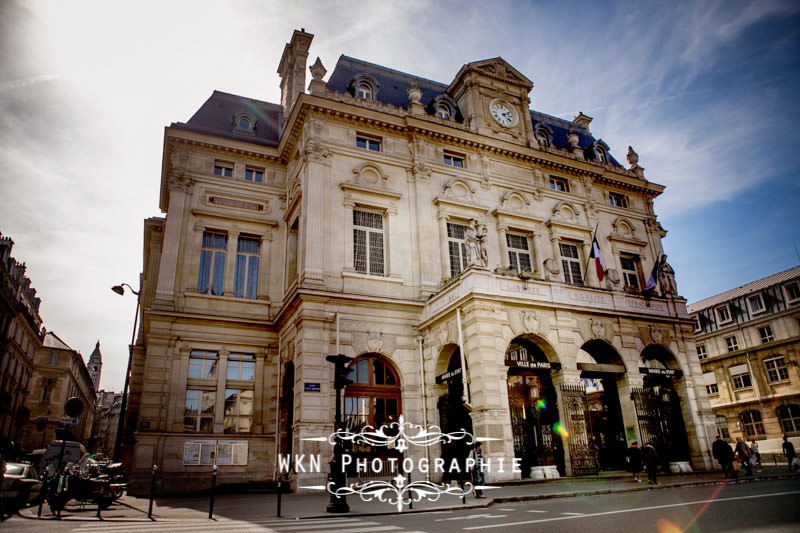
(372, 399)
(453, 414)
(533, 406)
(658, 405)
(287, 409)
(601, 367)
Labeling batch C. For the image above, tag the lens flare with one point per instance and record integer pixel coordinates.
(561, 430)
(665, 526)
(541, 405)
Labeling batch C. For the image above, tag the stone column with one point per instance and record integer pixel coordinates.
(445, 250)
(501, 235)
(261, 397)
(179, 186)
(230, 263)
(219, 402)
(625, 386)
(538, 254)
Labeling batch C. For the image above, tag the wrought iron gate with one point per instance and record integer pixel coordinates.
(581, 453)
(660, 422)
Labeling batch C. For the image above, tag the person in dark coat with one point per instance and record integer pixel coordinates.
(634, 461)
(742, 453)
(788, 451)
(650, 458)
(724, 455)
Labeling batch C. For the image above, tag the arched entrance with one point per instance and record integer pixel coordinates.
(599, 373)
(453, 414)
(658, 405)
(533, 406)
(372, 399)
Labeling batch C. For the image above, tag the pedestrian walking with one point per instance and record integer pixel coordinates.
(478, 474)
(788, 451)
(754, 454)
(724, 455)
(650, 458)
(633, 461)
(742, 453)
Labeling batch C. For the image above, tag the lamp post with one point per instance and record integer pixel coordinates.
(338, 504)
(120, 289)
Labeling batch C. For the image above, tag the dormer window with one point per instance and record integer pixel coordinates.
(601, 156)
(244, 123)
(543, 135)
(443, 111)
(756, 304)
(723, 314)
(598, 150)
(364, 91)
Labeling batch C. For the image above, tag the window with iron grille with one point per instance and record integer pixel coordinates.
(519, 257)
(789, 415)
(631, 270)
(368, 242)
(766, 334)
(457, 248)
(732, 343)
(571, 263)
(776, 370)
(751, 424)
(211, 277)
(245, 281)
(722, 427)
(701, 352)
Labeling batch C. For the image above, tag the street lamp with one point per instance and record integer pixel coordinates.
(120, 289)
(338, 504)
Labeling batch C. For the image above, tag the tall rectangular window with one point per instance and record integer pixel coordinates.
(519, 258)
(776, 370)
(198, 414)
(732, 343)
(212, 262)
(241, 367)
(740, 376)
(202, 365)
(570, 262)
(631, 270)
(701, 352)
(238, 410)
(245, 281)
(722, 427)
(368, 242)
(766, 334)
(292, 251)
(457, 247)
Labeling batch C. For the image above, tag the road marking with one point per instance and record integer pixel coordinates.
(221, 525)
(473, 516)
(535, 511)
(717, 500)
(574, 514)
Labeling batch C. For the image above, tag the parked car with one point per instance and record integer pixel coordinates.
(21, 484)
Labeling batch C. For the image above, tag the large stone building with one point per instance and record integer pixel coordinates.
(20, 336)
(748, 343)
(420, 228)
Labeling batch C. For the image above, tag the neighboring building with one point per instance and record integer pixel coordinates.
(415, 226)
(95, 366)
(20, 337)
(748, 344)
(106, 422)
(60, 374)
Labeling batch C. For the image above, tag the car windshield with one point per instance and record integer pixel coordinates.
(14, 470)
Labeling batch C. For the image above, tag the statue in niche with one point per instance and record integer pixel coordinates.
(666, 277)
(475, 242)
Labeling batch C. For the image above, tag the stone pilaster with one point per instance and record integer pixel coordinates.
(179, 188)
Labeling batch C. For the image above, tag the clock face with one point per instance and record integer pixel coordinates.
(502, 114)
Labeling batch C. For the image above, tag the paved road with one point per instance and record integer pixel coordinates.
(762, 506)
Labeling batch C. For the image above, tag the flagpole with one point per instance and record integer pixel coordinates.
(591, 246)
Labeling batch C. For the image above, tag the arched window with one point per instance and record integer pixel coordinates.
(364, 91)
(373, 397)
(789, 416)
(443, 111)
(752, 426)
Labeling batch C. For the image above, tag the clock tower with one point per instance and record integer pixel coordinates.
(493, 97)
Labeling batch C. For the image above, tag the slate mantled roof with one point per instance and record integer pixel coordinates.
(755, 286)
(392, 90)
(216, 117)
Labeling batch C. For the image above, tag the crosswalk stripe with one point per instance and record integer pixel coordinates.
(358, 529)
(303, 526)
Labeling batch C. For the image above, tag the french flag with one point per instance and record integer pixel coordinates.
(653, 281)
(599, 263)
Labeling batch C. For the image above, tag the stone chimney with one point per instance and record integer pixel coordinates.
(292, 70)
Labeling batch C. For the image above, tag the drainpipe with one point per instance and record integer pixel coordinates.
(420, 341)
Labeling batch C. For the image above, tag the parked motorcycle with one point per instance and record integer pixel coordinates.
(86, 482)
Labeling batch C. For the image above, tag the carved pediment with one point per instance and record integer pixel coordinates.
(514, 200)
(369, 180)
(624, 230)
(565, 212)
(498, 69)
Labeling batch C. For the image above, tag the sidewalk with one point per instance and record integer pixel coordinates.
(293, 506)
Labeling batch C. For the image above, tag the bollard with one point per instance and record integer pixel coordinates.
(463, 495)
(410, 494)
(213, 486)
(280, 490)
(152, 492)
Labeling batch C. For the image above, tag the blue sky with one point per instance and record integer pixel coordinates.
(705, 92)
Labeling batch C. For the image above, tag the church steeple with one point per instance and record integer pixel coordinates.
(95, 365)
